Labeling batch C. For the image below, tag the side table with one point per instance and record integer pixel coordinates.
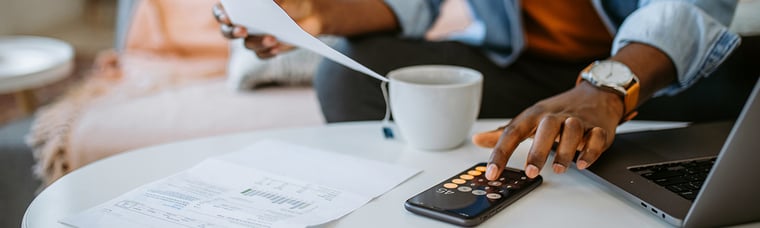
(570, 199)
(29, 62)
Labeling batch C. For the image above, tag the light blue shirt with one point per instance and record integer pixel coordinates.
(693, 33)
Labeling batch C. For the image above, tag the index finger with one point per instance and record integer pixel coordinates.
(515, 132)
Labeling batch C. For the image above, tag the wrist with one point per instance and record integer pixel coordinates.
(616, 77)
(653, 67)
(614, 103)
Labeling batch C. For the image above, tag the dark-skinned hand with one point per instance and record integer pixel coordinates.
(304, 12)
(581, 120)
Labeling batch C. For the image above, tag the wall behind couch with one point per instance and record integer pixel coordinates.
(29, 16)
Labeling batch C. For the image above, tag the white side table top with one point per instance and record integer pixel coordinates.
(28, 61)
(568, 199)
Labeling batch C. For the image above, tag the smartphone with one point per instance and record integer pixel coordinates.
(468, 198)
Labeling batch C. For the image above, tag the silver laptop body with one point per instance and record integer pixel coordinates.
(730, 194)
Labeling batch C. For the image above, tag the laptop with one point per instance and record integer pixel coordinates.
(704, 175)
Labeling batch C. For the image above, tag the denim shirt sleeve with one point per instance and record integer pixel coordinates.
(414, 16)
(694, 35)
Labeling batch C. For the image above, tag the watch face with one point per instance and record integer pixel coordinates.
(611, 73)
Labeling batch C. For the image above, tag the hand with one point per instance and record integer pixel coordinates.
(581, 119)
(267, 46)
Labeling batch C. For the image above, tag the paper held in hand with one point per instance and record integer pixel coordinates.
(269, 184)
(266, 17)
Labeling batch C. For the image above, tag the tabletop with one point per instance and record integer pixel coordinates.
(568, 199)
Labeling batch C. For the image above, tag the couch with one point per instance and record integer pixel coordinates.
(167, 81)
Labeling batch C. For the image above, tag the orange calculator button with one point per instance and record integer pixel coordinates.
(474, 172)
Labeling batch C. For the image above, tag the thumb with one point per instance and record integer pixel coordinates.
(487, 139)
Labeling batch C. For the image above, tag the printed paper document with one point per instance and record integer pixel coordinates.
(269, 184)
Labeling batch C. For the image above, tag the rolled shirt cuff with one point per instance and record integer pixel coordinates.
(695, 42)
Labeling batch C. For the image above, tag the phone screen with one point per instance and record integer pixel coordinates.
(468, 198)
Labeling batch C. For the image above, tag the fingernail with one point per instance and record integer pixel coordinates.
(582, 164)
(491, 172)
(531, 171)
(558, 168)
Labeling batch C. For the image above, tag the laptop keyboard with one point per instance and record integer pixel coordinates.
(684, 177)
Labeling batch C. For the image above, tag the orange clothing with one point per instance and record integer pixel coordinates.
(568, 30)
(176, 28)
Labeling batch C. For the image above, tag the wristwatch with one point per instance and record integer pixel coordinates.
(616, 77)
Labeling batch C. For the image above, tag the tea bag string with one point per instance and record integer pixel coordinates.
(387, 130)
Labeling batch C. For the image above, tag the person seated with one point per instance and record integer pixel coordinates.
(531, 54)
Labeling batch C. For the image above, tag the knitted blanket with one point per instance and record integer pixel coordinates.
(114, 79)
(168, 45)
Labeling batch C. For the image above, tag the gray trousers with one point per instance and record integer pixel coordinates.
(346, 95)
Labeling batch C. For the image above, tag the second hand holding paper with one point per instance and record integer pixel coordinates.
(266, 17)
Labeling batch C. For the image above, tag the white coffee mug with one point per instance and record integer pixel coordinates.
(435, 106)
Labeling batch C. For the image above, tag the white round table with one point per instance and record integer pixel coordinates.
(569, 199)
(28, 62)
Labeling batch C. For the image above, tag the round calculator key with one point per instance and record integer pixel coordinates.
(493, 196)
(501, 179)
(450, 185)
(474, 172)
(523, 178)
(495, 183)
(478, 192)
(464, 189)
(480, 168)
(466, 177)
(458, 181)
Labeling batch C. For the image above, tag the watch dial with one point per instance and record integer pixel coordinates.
(611, 73)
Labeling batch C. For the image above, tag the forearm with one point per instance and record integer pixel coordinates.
(694, 41)
(356, 17)
(653, 67)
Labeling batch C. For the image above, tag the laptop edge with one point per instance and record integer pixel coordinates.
(722, 193)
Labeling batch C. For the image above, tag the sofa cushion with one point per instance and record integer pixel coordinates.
(198, 110)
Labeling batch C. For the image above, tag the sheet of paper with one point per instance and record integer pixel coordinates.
(266, 17)
(331, 169)
(235, 190)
